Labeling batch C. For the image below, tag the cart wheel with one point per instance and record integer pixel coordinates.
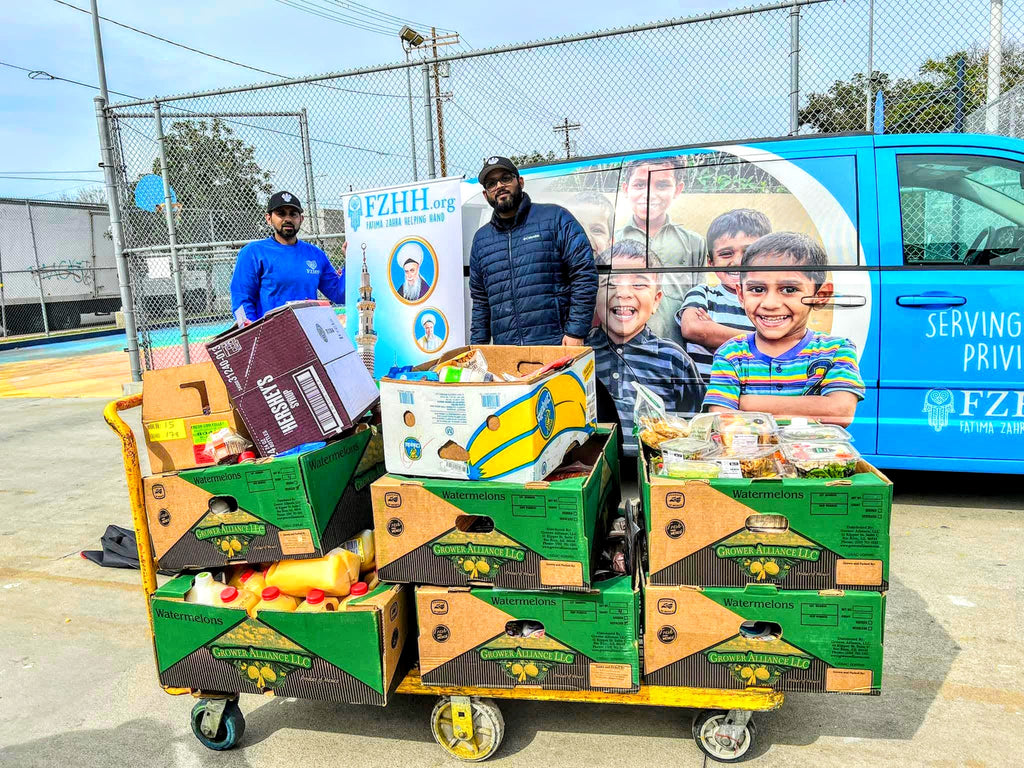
(711, 732)
(228, 732)
(488, 728)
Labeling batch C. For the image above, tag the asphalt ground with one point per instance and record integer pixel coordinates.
(78, 684)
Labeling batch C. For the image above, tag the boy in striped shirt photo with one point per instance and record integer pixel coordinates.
(783, 367)
(627, 352)
(712, 314)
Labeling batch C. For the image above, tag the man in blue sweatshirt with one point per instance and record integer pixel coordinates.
(269, 273)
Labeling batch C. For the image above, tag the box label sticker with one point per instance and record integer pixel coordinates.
(299, 542)
(169, 429)
(851, 680)
(867, 573)
(561, 573)
(200, 432)
(611, 675)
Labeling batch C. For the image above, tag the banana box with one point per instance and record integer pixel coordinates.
(496, 638)
(515, 536)
(760, 636)
(352, 656)
(515, 431)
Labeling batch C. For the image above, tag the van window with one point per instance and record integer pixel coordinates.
(966, 210)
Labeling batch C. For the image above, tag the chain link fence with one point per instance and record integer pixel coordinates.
(800, 67)
(57, 269)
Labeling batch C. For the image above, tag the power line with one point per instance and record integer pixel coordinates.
(5, 177)
(89, 170)
(355, 7)
(326, 13)
(39, 74)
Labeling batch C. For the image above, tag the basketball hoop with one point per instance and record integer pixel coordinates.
(175, 211)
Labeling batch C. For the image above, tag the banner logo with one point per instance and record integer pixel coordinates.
(938, 404)
(355, 212)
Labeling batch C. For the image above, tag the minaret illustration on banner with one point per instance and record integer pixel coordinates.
(366, 339)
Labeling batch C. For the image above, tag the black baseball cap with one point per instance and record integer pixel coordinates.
(281, 199)
(491, 163)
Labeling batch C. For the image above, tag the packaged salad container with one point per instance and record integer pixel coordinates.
(748, 461)
(684, 469)
(812, 433)
(822, 459)
(688, 449)
(746, 428)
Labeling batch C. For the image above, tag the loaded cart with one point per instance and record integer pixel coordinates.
(466, 722)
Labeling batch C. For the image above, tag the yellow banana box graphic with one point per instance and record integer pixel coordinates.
(516, 428)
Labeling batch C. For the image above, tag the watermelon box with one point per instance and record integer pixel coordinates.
(475, 637)
(515, 431)
(296, 506)
(796, 533)
(538, 535)
(352, 656)
(759, 636)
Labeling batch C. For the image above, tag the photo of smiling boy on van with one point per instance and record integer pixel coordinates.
(712, 314)
(627, 351)
(596, 214)
(783, 367)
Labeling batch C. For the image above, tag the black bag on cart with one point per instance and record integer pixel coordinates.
(119, 549)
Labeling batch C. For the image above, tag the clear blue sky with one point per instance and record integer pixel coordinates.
(50, 125)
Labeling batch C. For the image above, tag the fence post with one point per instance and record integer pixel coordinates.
(412, 125)
(429, 117)
(172, 237)
(869, 92)
(961, 84)
(995, 66)
(39, 271)
(794, 68)
(117, 235)
(307, 162)
(3, 301)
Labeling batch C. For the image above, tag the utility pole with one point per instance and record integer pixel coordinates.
(565, 127)
(995, 66)
(437, 41)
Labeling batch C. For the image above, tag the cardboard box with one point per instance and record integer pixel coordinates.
(350, 656)
(589, 642)
(817, 641)
(512, 431)
(542, 533)
(294, 376)
(296, 506)
(181, 407)
(830, 534)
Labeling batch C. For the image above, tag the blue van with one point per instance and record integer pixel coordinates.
(925, 242)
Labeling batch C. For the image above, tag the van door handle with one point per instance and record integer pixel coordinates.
(931, 301)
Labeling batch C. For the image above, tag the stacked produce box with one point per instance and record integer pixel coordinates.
(768, 555)
(500, 493)
(260, 500)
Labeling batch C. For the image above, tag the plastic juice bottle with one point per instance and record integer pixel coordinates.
(272, 599)
(249, 580)
(204, 589)
(317, 602)
(359, 589)
(333, 574)
(361, 545)
(233, 597)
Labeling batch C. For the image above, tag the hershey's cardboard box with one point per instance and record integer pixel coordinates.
(789, 640)
(294, 376)
(352, 656)
(533, 536)
(513, 431)
(181, 407)
(798, 533)
(473, 637)
(295, 506)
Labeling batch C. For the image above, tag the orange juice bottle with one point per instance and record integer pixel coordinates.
(333, 574)
(272, 599)
(362, 545)
(248, 579)
(204, 589)
(359, 589)
(317, 602)
(233, 597)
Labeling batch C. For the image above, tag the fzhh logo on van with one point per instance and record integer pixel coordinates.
(938, 404)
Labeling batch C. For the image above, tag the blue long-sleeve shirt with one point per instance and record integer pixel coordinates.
(268, 275)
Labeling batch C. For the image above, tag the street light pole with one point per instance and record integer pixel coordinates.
(98, 42)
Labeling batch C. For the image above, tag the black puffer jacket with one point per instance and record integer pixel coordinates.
(533, 279)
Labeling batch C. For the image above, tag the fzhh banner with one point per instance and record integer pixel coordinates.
(404, 287)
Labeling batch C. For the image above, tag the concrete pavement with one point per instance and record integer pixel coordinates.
(78, 683)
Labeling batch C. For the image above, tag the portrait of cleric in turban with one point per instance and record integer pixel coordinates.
(413, 270)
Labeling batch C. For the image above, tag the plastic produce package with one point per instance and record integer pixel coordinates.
(822, 459)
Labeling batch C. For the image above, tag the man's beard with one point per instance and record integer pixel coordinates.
(510, 203)
(292, 231)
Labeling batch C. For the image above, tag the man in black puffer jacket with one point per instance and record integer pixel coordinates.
(531, 270)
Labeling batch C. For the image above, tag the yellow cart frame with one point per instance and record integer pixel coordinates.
(465, 722)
